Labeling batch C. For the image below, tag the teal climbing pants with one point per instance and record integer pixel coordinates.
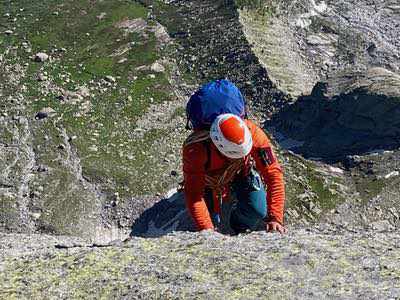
(250, 208)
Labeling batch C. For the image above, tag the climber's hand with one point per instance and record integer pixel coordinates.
(275, 226)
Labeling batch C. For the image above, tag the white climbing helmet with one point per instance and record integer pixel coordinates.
(231, 136)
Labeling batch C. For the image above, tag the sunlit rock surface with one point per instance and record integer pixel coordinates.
(305, 264)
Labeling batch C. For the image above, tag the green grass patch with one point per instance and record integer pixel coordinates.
(323, 190)
(264, 8)
(370, 187)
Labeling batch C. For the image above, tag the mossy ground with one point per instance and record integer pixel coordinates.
(311, 191)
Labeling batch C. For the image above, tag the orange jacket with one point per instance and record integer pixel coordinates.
(199, 161)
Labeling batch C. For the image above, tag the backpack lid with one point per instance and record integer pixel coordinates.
(212, 99)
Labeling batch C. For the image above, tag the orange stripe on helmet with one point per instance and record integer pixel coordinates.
(233, 130)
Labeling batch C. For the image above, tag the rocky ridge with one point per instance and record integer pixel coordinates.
(305, 264)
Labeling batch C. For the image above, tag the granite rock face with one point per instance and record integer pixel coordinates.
(308, 40)
(340, 63)
(318, 263)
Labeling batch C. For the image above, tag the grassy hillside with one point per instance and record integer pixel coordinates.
(106, 67)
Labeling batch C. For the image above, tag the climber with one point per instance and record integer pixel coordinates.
(229, 157)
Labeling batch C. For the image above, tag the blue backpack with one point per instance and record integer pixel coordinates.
(212, 99)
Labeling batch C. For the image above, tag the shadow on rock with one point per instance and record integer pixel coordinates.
(352, 113)
(164, 217)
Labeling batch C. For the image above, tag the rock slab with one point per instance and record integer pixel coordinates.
(305, 264)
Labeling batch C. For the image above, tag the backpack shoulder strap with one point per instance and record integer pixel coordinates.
(201, 136)
(196, 137)
(207, 145)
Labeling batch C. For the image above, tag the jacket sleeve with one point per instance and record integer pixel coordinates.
(194, 160)
(273, 176)
(271, 172)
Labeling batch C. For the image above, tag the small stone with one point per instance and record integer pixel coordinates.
(381, 226)
(335, 170)
(110, 79)
(93, 148)
(8, 32)
(152, 76)
(70, 96)
(138, 130)
(101, 16)
(157, 68)
(44, 113)
(391, 174)
(83, 91)
(41, 57)
(142, 68)
(42, 77)
(36, 215)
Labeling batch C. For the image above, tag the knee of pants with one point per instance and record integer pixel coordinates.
(251, 206)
